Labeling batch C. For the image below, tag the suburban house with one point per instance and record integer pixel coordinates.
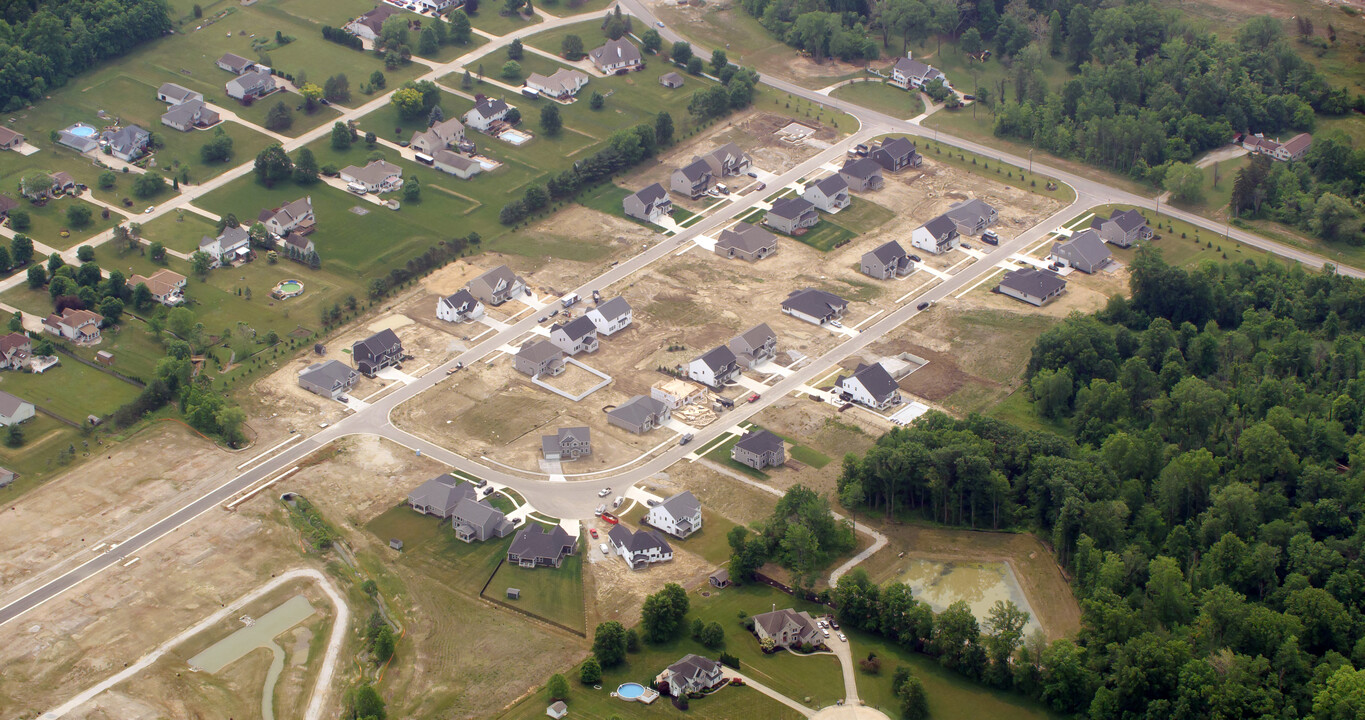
(377, 176)
(911, 73)
(693, 673)
(189, 115)
(440, 495)
(1295, 149)
(234, 244)
(575, 336)
(887, 261)
(296, 216)
(829, 193)
(13, 410)
(896, 154)
(127, 143)
(678, 516)
(377, 352)
(460, 306)
(497, 286)
(862, 174)
(692, 179)
(754, 346)
(540, 357)
(611, 316)
(787, 628)
(870, 385)
(1122, 228)
(1033, 286)
(235, 64)
(564, 83)
(441, 136)
(759, 449)
(330, 379)
(79, 326)
(616, 56)
(176, 94)
(10, 140)
(672, 80)
(746, 242)
(62, 182)
(15, 351)
(567, 444)
(650, 204)
(814, 306)
(487, 112)
(971, 217)
(936, 236)
(370, 25)
(639, 414)
(251, 85)
(791, 214)
(714, 367)
(298, 247)
(537, 547)
(166, 286)
(7, 204)
(1084, 251)
(727, 160)
(640, 548)
(676, 392)
(477, 520)
(455, 164)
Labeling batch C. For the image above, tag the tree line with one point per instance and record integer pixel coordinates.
(1315, 195)
(1207, 501)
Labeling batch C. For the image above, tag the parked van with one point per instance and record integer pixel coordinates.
(605, 550)
(424, 159)
(617, 502)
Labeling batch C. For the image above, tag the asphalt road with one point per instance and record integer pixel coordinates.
(577, 498)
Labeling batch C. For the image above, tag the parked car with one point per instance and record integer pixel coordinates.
(592, 532)
(965, 246)
(752, 174)
(150, 208)
(834, 623)
(836, 323)
(990, 237)
(843, 638)
(617, 502)
(754, 397)
(604, 492)
(968, 97)
(600, 509)
(547, 317)
(452, 371)
(915, 258)
(660, 23)
(687, 438)
(652, 503)
(922, 306)
(605, 550)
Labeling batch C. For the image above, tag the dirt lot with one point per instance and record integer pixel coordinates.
(615, 592)
(1039, 575)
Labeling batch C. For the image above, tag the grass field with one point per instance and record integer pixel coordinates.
(881, 97)
(1005, 173)
(71, 390)
(552, 593)
(36, 459)
(430, 545)
(489, 20)
(136, 352)
(1189, 250)
(181, 231)
(721, 454)
(826, 235)
(530, 62)
(49, 221)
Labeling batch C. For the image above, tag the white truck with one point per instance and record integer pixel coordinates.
(569, 300)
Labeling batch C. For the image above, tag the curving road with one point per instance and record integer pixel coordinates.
(577, 499)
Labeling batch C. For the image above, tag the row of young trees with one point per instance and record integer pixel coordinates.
(1207, 503)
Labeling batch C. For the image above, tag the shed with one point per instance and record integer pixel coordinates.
(513, 593)
(557, 710)
(94, 419)
(6, 476)
(104, 357)
(396, 544)
(720, 578)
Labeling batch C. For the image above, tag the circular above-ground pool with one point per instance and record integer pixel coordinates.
(287, 289)
(630, 691)
(81, 130)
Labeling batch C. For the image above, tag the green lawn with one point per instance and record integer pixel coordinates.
(721, 454)
(430, 547)
(136, 352)
(489, 20)
(530, 62)
(884, 98)
(36, 459)
(1187, 251)
(710, 542)
(586, 703)
(552, 593)
(71, 390)
(862, 216)
(49, 222)
(180, 231)
(825, 235)
(565, 8)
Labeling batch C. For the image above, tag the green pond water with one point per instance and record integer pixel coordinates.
(979, 584)
(260, 634)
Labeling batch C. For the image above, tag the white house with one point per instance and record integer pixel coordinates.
(829, 193)
(79, 326)
(639, 549)
(575, 336)
(611, 316)
(458, 307)
(616, 56)
(564, 83)
(456, 164)
(678, 516)
(14, 410)
(814, 306)
(870, 385)
(176, 94)
(715, 367)
(909, 72)
(234, 244)
(377, 176)
(297, 215)
(486, 113)
(937, 236)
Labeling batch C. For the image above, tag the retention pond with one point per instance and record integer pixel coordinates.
(259, 633)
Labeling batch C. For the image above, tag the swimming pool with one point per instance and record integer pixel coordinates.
(516, 137)
(81, 130)
(630, 691)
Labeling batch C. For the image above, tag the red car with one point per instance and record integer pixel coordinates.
(608, 517)
(754, 397)
(592, 532)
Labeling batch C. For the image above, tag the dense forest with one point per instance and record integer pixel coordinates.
(1206, 504)
(1315, 195)
(44, 43)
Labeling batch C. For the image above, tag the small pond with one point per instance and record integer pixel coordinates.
(979, 584)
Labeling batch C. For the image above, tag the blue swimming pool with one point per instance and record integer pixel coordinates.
(630, 691)
(81, 130)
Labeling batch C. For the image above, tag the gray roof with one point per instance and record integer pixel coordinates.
(537, 542)
(717, 358)
(695, 170)
(577, 328)
(491, 107)
(379, 342)
(328, 373)
(639, 541)
(831, 185)
(672, 79)
(635, 410)
(501, 273)
(1088, 244)
(791, 208)
(772, 622)
(898, 146)
(1033, 282)
(760, 442)
(613, 308)
(726, 154)
(1128, 220)
(294, 210)
(234, 61)
(453, 159)
(651, 194)
(914, 68)
(184, 112)
(462, 300)
(443, 491)
(175, 92)
(969, 211)
(682, 505)
(746, 237)
(693, 666)
(813, 302)
(478, 513)
(941, 226)
(126, 138)
(9, 404)
(374, 172)
(888, 253)
(875, 379)
(757, 335)
(616, 51)
(861, 168)
(539, 351)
